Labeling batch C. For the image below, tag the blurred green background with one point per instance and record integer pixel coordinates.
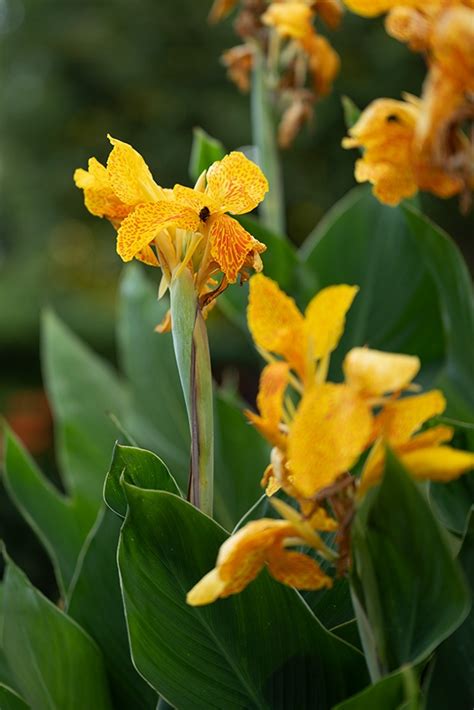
(147, 72)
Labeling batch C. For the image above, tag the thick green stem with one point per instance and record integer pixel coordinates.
(272, 209)
(191, 349)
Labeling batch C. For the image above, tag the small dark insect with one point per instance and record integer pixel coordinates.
(393, 118)
(204, 214)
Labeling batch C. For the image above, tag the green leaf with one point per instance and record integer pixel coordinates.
(96, 604)
(205, 150)
(35, 632)
(83, 390)
(365, 243)
(157, 414)
(10, 700)
(351, 111)
(141, 468)
(260, 649)
(61, 524)
(452, 501)
(398, 691)
(242, 456)
(409, 593)
(452, 678)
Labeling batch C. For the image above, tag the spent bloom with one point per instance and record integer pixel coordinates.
(320, 431)
(300, 63)
(181, 227)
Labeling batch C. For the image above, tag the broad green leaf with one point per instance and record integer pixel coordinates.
(141, 468)
(348, 631)
(35, 632)
(398, 691)
(452, 501)
(454, 285)
(332, 606)
(242, 456)
(60, 523)
(365, 243)
(409, 593)
(452, 677)
(83, 392)
(260, 649)
(157, 416)
(205, 150)
(10, 700)
(96, 604)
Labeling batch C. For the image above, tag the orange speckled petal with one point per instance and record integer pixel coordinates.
(99, 198)
(130, 176)
(399, 420)
(230, 245)
(375, 373)
(372, 8)
(297, 570)
(438, 463)
(330, 430)
(325, 318)
(147, 256)
(236, 183)
(194, 199)
(275, 322)
(145, 223)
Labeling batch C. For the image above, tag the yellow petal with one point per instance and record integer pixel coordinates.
(373, 467)
(231, 245)
(375, 373)
(147, 256)
(297, 570)
(431, 437)
(207, 590)
(99, 198)
(140, 228)
(275, 322)
(330, 11)
(130, 176)
(325, 318)
(273, 383)
(330, 430)
(243, 555)
(195, 199)
(399, 420)
(438, 463)
(236, 184)
(290, 19)
(372, 8)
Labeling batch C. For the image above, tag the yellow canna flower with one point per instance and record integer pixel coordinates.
(273, 384)
(290, 19)
(386, 131)
(323, 62)
(182, 227)
(242, 557)
(424, 454)
(278, 326)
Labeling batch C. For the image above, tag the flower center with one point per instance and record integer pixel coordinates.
(204, 214)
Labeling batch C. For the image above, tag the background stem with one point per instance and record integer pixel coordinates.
(272, 209)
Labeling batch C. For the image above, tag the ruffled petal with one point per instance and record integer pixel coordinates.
(325, 318)
(236, 183)
(195, 200)
(130, 177)
(372, 8)
(99, 198)
(399, 420)
(330, 430)
(374, 373)
(275, 322)
(438, 463)
(231, 244)
(297, 570)
(140, 228)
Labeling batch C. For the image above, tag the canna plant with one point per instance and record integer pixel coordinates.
(313, 551)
